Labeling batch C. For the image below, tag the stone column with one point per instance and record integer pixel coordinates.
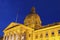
(12, 37)
(4, 37)
(23, 36)
(17, 36)
(9, 36)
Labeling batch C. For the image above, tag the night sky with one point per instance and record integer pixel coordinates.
(48, 10)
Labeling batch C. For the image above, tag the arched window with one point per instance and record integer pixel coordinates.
(46, 34)
(52, 33)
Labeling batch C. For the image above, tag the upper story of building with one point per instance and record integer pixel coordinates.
(33, 22)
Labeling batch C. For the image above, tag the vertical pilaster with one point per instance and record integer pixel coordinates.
(4, 37)
(9, 36)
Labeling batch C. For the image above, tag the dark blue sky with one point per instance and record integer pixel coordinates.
(49, 11)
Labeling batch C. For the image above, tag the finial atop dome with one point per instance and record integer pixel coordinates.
(33, 9)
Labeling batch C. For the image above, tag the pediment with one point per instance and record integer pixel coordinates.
(11, 25)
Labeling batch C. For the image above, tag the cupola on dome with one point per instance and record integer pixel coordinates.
(32, 18)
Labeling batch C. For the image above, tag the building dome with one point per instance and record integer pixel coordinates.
(32, 19)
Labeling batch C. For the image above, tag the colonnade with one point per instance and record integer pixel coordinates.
(15, 36)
